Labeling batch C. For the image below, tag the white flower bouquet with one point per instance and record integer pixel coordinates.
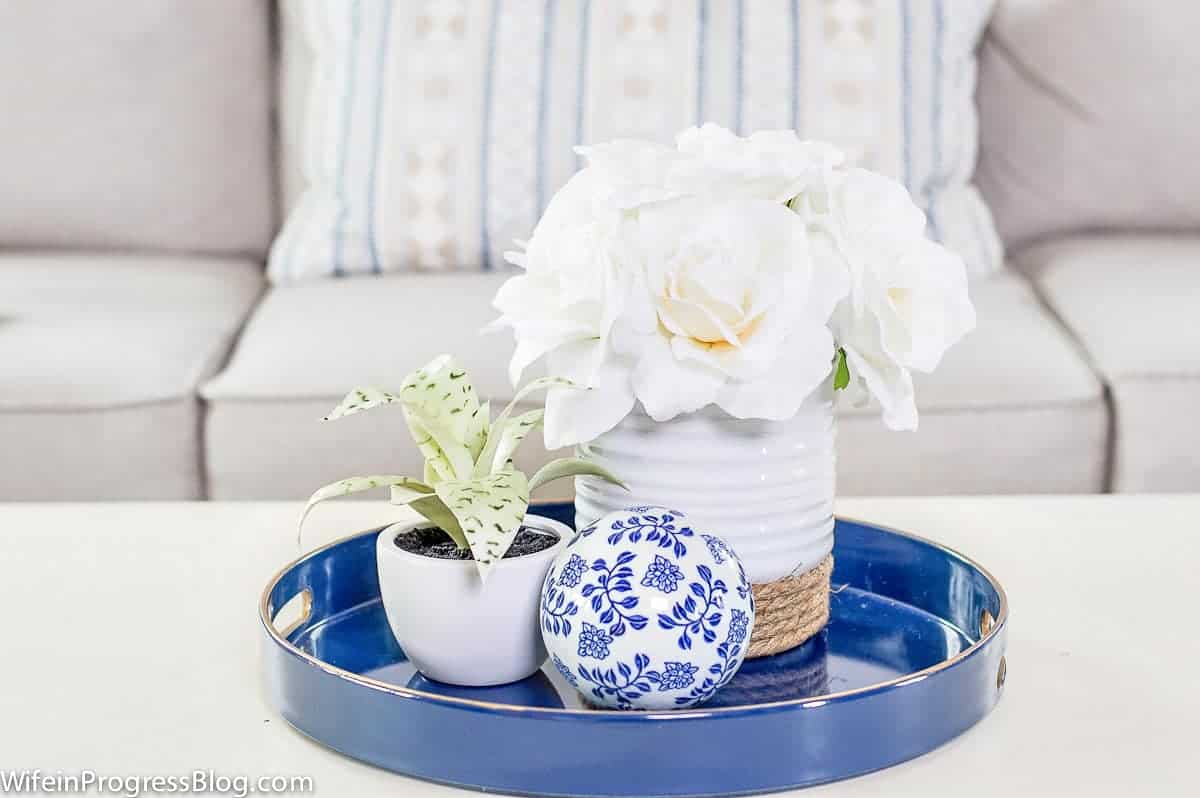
(730, 286)
(736, 272)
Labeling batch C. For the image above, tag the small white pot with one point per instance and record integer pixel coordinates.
(765, 487)
(457, 629)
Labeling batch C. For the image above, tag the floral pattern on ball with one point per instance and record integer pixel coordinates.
(677, 675)
(608, 594)
(737, 626)
(657, 525)
(572, 571)
(693, 617)
(556, 610)
(716, 547)
(720, 673)
(662, 575)
(636, 618)
(593, 642)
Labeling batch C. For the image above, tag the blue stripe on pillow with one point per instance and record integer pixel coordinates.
(701, 36)
(339, 225)
(548, 16)
(906, 94)
(739, 64)
(581, 77)
(385, 29)
(933, 186)
(794, 24)
(485, 244)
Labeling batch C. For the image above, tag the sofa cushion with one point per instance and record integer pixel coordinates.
(100, 358)
(139, 125)
(1014, 408)
(308, 344)
(1131, 301)
(1088, 113)
(430, 139)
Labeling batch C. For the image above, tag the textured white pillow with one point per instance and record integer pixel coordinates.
(436, 131)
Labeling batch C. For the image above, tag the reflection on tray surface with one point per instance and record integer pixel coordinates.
(869, 640)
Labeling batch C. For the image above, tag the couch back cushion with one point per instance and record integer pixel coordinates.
(432, 133)
(1089, 115)
(137, 124)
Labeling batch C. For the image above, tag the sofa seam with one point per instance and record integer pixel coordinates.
(97, 408)
(219, 362)
(1102, 378)
(1051, 404)
(1154, 377)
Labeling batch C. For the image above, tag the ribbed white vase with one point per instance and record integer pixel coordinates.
(766, 487)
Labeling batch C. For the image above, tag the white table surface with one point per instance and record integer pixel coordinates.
(131, 644)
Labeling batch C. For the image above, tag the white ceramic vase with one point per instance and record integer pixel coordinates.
(765, 487)
(456, 628)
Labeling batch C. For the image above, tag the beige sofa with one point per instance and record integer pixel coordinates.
(142, 354)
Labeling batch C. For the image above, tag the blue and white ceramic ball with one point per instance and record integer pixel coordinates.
(640, 611)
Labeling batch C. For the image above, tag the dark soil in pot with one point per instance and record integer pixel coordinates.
(433, 542)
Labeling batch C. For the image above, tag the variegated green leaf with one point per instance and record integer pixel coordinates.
(477, 429)
(361, 399)
(434, 509)
(440, 463)
(571, 467)
(344, 487)
(486, 461)
(540, 384)
(508, 437)
(402, 494)
(444, 416)
(490, 511)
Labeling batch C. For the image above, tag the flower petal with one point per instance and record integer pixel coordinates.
(575, 416)
(890, 384)
(805, 362)
(667, 386)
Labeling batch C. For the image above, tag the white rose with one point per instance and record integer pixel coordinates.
(564, 305)
(770, 164)
(733, 312)
(908, 300)
(711, 161)
(629, 173)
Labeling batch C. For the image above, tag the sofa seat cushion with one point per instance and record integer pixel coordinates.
(100, 359)
(1014, 408)
(1131, 301)
(308, 344)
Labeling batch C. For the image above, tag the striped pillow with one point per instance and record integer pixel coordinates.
(436, 131)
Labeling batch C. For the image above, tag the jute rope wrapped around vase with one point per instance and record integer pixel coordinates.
(789, 611)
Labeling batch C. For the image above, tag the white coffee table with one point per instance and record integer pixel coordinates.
(131, 640)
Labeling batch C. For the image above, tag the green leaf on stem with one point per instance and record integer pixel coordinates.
(841, 370)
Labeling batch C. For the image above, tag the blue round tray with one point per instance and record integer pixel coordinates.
(913, 656)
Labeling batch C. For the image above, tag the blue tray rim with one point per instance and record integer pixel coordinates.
(279, 638)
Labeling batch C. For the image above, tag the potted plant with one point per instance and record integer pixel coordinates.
(461, 584)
